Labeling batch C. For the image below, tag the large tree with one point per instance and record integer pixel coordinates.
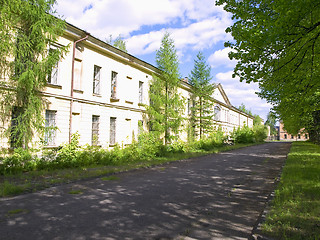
(202, 111)
(166, 105)
(277, 44)
(27, 29)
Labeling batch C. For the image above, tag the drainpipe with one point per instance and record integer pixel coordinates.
(72, 81)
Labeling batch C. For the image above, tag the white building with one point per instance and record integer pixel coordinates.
(109, 90)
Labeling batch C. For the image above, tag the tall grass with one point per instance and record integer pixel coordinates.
(295, 211)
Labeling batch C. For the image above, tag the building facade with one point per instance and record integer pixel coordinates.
(285, 136)
(100, 92)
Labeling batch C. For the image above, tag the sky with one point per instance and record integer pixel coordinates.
(194, 25)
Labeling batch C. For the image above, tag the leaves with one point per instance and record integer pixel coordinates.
(26, 31)
(166, 105)
(277, 44)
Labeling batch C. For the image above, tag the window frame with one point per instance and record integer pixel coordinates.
(96, 79)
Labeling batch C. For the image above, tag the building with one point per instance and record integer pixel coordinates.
(285, 136)
(99, 91)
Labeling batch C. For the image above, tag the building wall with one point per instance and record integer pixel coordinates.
(284, 135)
(126, 107)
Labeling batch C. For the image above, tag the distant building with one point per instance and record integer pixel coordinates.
(284, 135)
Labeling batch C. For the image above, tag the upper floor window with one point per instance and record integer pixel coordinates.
(50, 124)
(53, 73)
(217, 113)
(114, 76)
(96, 79)
(140, 92)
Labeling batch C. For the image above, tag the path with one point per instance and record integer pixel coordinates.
(219, 196)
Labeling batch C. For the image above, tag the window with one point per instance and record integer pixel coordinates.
(285, 136)
(140, 92)
(114, 76)
(112, 130)
(306, 136)
(291, 136)
(299, 136)
(140, 127)
(50, 126)
(95, 130)
(53, 74)
(96, 79)
(217, 114)
(14, 132)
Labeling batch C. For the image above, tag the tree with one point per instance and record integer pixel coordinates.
(27, 29)
(118, 43)
(166, 105)
(276, 44)
(243, 108)
(271, 122)
(257, 121)
(202, 114)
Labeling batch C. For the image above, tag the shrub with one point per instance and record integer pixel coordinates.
(243, 135)
(259, 133)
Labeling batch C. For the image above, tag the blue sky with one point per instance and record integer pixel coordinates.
(195, 25)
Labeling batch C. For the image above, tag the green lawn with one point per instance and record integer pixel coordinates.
(295, 212)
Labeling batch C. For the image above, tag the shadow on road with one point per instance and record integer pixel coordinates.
(211, 197)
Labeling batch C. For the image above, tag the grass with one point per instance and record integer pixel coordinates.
(110, 178)
(295, 212)
(32, 181)
(75, 191)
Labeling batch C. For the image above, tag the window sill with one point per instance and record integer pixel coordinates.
(54, 86)
(112, 145)
(141, 104)
(78, 91)
(96, 94)
(114, 100)
(126, 101)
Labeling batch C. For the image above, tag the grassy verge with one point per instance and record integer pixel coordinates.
(32, 181)
(295, 212)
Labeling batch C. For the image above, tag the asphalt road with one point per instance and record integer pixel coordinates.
(219, 196)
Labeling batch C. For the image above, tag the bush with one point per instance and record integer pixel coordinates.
(260, 133)
(243, 135)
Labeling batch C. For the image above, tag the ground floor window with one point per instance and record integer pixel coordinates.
(50, 128)
(112, 130)
(95, 130)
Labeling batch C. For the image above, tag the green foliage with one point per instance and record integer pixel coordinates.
(243, 108)
(249, 135)
(166, 105)
(215, 139)
(296, 206)
(276, 44)
(118, 43)
(201, 111)
(27, 28)
(271, 122)
(243, 135)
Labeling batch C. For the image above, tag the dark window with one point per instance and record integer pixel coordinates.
(96, 79)
(140, 92)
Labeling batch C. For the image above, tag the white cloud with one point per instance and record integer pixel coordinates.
(241, 92)
(220, 59)
(193, 25)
